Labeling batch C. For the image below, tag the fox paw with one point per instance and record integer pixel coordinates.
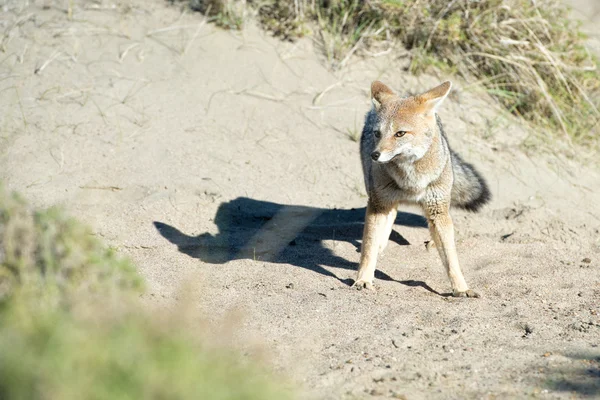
(467, 293)
(430, 244)
(362, 284)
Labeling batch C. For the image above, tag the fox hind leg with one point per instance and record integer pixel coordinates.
(442, 232)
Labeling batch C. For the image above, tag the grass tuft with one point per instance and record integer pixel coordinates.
(228, 14)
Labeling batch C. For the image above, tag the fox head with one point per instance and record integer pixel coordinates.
(405, 127)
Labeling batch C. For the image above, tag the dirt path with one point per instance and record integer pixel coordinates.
(225, 160)
(588, 11)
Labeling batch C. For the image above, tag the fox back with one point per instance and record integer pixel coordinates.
(403, 142)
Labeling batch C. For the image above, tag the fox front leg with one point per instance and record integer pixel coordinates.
(387, 231)
(376, 222)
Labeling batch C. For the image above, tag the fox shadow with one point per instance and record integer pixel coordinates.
(290, 234)
(580, 379)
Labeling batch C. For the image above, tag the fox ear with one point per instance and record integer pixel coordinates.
(380, 93)
(432, 99)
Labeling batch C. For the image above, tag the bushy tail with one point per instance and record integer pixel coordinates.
(470, 190)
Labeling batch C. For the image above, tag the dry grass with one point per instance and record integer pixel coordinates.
(527, 54)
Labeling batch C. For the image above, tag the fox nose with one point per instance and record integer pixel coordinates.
(375, 155)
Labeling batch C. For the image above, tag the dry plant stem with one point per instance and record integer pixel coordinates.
(126, 51)
(200, 26)
(320, 95)
(53, 57)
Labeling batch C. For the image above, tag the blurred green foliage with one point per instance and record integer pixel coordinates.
(72, 328)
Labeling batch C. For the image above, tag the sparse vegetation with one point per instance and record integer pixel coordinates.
(527, 54)
(228, 14)
(71, 328)
(45, 253)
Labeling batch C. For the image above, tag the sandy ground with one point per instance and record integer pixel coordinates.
(588, 12)
(223, 161)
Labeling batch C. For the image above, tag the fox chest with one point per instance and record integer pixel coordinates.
(410, 183)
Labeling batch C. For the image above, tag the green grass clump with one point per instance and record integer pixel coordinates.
(283, 18)
(529, 55)
(71, 325)
(52, 354)
(46, 253)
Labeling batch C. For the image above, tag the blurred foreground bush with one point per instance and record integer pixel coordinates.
(71, 326)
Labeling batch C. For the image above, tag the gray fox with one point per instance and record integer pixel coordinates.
(406, 159)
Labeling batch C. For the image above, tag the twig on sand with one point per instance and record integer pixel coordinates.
(21, 108)
(320, 95)
(111, 188)
(169, 28)
(187, 46)
(124, 52)
(99, 110)
(53, 57)
(261, 95)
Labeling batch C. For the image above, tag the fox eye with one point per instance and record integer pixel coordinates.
(377, 133)
(400, 134)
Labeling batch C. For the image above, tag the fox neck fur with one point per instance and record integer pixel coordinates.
(415, 175)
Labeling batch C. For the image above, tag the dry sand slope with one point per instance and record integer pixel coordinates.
(588, 12)
(224, 159)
